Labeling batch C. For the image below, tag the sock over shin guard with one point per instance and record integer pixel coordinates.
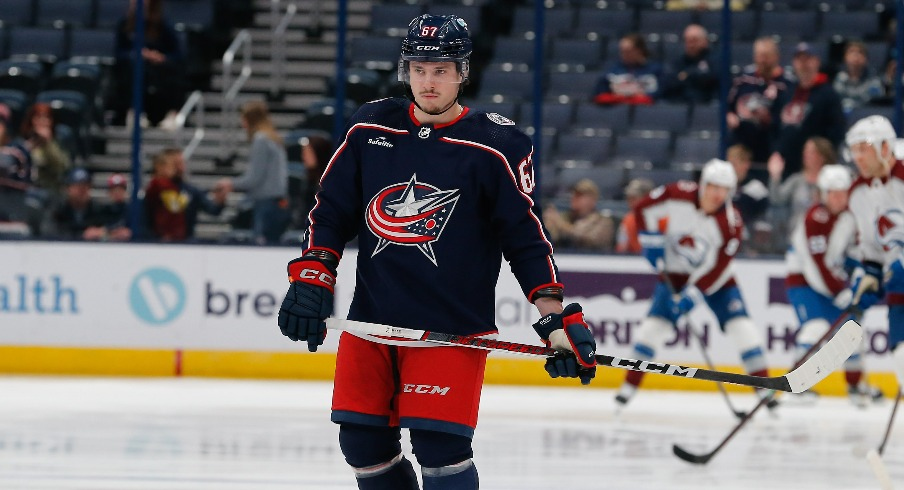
(460, 476)
(395, 474)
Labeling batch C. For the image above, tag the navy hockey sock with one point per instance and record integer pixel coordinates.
(396, 474)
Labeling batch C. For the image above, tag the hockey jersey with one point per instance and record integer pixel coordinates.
(819, 245)
(878, 208)
(434, 208)
(699, 246)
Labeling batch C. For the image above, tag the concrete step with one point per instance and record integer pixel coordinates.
(262, 84)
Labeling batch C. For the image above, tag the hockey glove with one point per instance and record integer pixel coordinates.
(866, 286)
(653, 244)
(690, 297)
(309, 300)
(568, 333)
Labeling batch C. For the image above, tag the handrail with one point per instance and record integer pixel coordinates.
(278, 46)
(195, 102)
(231, 88)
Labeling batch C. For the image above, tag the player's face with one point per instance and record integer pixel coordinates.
(713, 198)
(434, 84)
(836, 200)
(866, 159)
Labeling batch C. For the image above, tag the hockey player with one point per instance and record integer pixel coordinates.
(702, 235)
(437, 195)
(877, 203)
(817, 283)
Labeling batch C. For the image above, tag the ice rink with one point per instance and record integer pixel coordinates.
(200, 434)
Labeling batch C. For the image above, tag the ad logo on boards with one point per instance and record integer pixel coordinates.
(157, 296)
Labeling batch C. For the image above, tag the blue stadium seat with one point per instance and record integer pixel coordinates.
(570, 87)
(644, 149)
(362, 85)
(190, 14)
(556, 116)
(705, 117)
(319, 115)
(37, 43)
(72, 110)
(595, 149)
(741, 53)
(18, 102)
(61, 13)
(695, 150)
(858, 113)
(861, 25)
(659, 176)
(661, 117)
(375, 52)
(294, 139)
(794, 24)
(592, 116)
(508, 109)
(576, 54)
(610, 182)
(24, 76)
(109, 12)
(593, 23)
(392, 20)
(17, 12)
(559, 22)
(503, 85)
(744, 24)
(516, 52)
(92, 46)
(664, 21)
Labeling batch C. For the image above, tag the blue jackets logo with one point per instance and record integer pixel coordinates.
(157, 296)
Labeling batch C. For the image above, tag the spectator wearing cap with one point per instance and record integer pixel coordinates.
(50, 162)
(693, 77)
(583, 227)
(813, 109)
(116, 212)
(78, 217)
(856, 84)
(15, 160)
(626, 240)
(754, 99)
(631, 79)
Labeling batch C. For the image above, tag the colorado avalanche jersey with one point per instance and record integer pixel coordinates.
(434, 208)
(878, 208)
(699, 246)
(820, 242)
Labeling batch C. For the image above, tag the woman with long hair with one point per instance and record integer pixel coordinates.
(266, 179)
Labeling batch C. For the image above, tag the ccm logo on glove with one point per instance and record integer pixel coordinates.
(311, 275)
(312, 271)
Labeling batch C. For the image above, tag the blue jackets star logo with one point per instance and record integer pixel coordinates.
(411, 214)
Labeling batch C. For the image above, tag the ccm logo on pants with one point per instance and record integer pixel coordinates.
(425, 389)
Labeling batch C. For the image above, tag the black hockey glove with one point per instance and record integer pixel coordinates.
(309, 300)
(567, 333)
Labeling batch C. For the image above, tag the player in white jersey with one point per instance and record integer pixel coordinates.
(877, 202)
(695, 250)
(817, 282)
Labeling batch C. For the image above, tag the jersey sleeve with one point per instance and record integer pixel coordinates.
(338, 207)
(517, 216)
(654, 209)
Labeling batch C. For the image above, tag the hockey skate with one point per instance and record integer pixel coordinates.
(624, 395)
(863, 394)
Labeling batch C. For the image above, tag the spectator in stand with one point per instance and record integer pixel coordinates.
(116, 212)
(265, 180)
(78, 217)
(15, 160)
(790, 199)
(755, 98)
(751, 199)
(626, 240)
(164, 76)
(583, 227)
(856, 84)
(633, 78)
(693, 77)
(50, 163)
(813, 109)
(315, 155)
(171, 204)
(705, 4)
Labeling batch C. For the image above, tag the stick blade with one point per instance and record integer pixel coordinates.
(689, 457)
(827, 359)
(878, 467)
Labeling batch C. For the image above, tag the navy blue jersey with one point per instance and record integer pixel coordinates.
(435, 208)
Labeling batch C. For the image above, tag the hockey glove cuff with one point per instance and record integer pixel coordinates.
(309, 300)
(690, 297)
(867, 285)
(653, 245)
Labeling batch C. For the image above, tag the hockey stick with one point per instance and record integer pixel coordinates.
(697, 335)
(814, 350)
(817, 367)
(874, 455)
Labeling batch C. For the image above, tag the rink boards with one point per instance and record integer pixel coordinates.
(165, 310)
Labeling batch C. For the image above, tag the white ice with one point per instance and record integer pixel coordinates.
(203, 434)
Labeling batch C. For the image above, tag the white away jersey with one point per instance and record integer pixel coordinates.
(878, 208)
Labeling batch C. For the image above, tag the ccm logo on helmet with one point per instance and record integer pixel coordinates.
(425, 389)
(427, 48)
(316, 275)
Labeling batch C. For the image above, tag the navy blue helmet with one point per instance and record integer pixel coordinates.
(437, 38)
